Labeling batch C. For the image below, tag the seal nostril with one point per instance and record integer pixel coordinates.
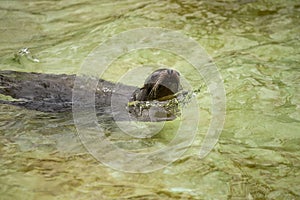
(170, 71)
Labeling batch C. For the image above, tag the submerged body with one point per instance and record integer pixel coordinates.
(53, 93)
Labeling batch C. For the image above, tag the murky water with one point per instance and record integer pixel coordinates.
(256, 47)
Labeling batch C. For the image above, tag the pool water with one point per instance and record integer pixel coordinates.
(254, 44)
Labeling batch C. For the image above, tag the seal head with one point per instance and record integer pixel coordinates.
(161, 83)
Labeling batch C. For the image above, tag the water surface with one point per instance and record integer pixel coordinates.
(256, 47)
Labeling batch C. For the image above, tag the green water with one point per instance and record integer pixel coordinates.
(255, 45)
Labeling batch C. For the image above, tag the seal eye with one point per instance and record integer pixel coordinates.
(155, 76)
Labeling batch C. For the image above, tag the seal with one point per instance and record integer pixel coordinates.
(53, 92)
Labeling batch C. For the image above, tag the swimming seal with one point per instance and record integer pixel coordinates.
(53, 92)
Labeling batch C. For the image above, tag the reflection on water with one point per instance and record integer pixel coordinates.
(256, 47)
